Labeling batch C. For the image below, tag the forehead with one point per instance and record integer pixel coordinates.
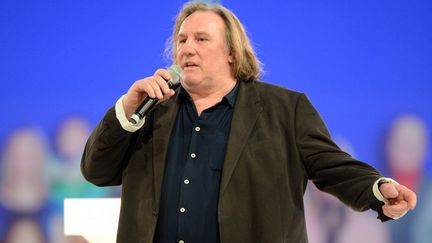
(202, 21)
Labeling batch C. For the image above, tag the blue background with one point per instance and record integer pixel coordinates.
(360, 62)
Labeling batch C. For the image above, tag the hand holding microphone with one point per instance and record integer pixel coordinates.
(145, 93)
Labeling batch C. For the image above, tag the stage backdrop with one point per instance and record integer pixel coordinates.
(365, 65)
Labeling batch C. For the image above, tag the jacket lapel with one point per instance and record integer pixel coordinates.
(246, 113)
(164, 119)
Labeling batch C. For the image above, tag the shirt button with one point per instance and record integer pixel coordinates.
(197, 129)
(186, 181)
(182, 210)
(193, 155)
(181, 241)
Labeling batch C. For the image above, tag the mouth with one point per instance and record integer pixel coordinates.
(189, 65)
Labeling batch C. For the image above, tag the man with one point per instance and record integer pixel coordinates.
(226, 158)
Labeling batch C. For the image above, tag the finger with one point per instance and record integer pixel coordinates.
(409, 196)
(163, 73)
(144, 86)
(392, 214)
(387, 212)
(137, 91)
(389, 190)
(396, 207)
(162, 84)
(170, 93)
(156, 88)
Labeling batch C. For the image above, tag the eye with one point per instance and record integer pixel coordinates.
(182, 40)
(200, 39)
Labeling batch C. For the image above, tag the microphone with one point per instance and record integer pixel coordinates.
(148, 103)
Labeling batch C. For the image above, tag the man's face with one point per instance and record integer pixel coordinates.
(201, 51)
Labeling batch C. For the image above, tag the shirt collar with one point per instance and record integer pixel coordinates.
(232, 95)
(229, 98)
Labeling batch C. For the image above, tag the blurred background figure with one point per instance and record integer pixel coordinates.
(321, 207)
(341, 224)
(422, 225)
(405, 157)
(377, 232)
(24, 230)
(23, 186)
(64, 168)
(65, 175)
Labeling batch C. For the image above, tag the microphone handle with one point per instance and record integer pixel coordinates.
(146, 106)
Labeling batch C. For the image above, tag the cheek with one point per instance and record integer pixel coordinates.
(176, 58)
(177, 54)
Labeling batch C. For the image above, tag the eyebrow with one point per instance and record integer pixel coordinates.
(195, 33)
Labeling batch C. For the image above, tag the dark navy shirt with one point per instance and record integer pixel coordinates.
(190, 189)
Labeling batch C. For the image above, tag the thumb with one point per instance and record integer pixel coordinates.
(389, 190)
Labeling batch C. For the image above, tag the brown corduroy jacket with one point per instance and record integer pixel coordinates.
(276, 144)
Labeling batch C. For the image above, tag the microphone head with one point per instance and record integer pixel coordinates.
(176, 74)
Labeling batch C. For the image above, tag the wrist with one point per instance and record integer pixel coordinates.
(128, 111)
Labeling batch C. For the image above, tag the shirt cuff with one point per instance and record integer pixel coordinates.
(124, 122)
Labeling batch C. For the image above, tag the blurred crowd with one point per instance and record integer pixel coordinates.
(403, 154)
(37, 174)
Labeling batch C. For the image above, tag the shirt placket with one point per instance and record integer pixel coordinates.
(188, 181)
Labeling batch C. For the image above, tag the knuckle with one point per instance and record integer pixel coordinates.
(162, 72)
(143, 83)
(159, 70)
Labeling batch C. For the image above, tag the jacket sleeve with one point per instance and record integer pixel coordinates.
(106, 152)
(330, 169)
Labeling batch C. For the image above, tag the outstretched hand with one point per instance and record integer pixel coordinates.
(399, 199)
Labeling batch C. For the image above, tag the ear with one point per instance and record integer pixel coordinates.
(230, 59)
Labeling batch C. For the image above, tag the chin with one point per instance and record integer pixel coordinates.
(190, 81)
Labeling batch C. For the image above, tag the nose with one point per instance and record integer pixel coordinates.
(187, 48)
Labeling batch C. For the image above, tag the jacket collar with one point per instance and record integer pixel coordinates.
(246, 112)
